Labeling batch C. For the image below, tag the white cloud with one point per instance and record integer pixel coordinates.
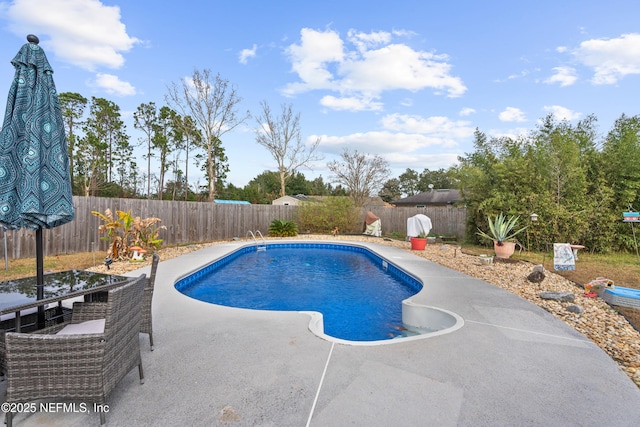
(398, 66)
(436, 126)
(311, 57)
(407, 102)
(562, 113)
(401, 150)
(85, 33)
(113, 85)
(421, 161)
(521, 74)
(372, 66)
(245, 54)
(403, 137)
(565, 76)
(512, 114)
(467, 112)
(365, 41)
(350, 104)
(379, 142)
(610, 59)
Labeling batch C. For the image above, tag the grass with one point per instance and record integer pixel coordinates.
(25, 267)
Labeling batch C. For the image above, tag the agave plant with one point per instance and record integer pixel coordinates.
(501, 229)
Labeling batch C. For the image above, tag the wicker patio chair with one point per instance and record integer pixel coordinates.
(29, 322)
(146, 325)
(84, 364)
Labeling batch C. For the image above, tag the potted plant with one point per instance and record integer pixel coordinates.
(503, 233)
(420, 242)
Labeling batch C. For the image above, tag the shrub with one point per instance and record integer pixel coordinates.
(323, 217)
(283, 228)
(126, 230)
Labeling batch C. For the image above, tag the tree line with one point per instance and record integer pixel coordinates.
(103, 163)
(576, 180)
(200, 111)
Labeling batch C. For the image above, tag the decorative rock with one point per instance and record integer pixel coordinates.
(486, 259)
(537, 275)
(558, 296)
(578, 309)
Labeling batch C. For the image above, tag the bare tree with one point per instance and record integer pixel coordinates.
(281, 137)
(361, 174)
(213, 107)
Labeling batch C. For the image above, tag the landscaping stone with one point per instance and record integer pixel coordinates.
(537, 275)
(578, 309)
(558, 296)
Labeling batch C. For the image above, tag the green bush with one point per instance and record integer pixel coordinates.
(323, 217)
(283, 228)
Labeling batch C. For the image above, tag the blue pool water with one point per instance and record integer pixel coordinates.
(358, 293)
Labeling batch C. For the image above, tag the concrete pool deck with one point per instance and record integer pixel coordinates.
(512, 363)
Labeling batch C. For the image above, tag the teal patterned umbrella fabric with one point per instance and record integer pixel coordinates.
(35, 186)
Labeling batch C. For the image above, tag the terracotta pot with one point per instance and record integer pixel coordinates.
(505, 250)
(418, 244)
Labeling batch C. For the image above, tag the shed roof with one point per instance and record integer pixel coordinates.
(232, 202)
(432, 197)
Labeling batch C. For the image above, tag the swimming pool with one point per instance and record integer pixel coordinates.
(362, 298)
(358, 293)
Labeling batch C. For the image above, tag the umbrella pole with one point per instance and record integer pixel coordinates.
(40, 276)
(6, 254)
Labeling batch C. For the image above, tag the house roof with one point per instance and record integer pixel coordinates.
(432, 197)
(300, 197)
(293, 199)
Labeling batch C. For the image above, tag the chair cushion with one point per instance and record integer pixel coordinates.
(68, 303)
(88, 327)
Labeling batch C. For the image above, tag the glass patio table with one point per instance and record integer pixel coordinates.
(19, 296)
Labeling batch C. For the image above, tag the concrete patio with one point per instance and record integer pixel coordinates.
(512, 363)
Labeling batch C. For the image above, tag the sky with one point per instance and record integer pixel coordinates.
(409, 81)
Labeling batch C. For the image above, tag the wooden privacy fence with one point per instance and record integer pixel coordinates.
(446, 220)
(193, 222)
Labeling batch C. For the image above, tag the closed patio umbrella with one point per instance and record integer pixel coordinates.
(35, 184)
